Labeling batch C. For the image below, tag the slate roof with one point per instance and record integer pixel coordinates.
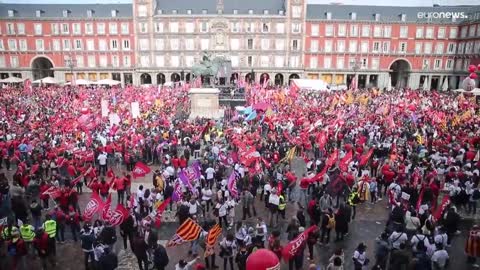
(242, 6)
(76, 10)
(387, 13)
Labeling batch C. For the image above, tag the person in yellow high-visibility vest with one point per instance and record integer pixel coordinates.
(50, 227)
(27, 232)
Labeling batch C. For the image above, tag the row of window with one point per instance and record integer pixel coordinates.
(67, 45)
(203, 27)
(80, 61)
(355, 46)
(470, 30)
(142, 11)
(65, 13)
(67, 28)
(189, 44)
(237, 61)
(370, 63)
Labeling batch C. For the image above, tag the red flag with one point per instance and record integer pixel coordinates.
(365, 158)
(140, 170)
(332, 159)
(95, 204)
(106, 211)
(292, 248)
(441, 208)
(34, 168)
(50, 190)
(319, 176)
(322, 139)
(76, 180)
(420, 199)
(161, 208)
(110, 173)
(119, 215)
(343, 165)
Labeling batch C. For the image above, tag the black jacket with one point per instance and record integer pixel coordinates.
(160, 256)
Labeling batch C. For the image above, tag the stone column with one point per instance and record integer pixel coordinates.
(452, 82)
(122, 79)
(367, 81)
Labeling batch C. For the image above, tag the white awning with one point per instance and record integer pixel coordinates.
(313, 85)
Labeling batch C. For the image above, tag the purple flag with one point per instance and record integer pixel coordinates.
(232, 185)
(190, 174)
(177, 192)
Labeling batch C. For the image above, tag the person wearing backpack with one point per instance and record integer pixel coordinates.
(160, 257)
(108, 260)
(328, 223)
(17, 249)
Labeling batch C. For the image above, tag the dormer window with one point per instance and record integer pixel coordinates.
(377, 17)
(174, 11)
(11, 13)
(160, 11)
(204, 11)
(89, 13)
(403, 17)
(265, 12)
(329, 15)
(189, 11)
(38, 13)
(280, 12)
(250, 11)
(235, 11)
(65, 13)
(114, 13)
(220, 11)
(353, 16)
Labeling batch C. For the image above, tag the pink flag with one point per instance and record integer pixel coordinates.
(118, 216)
(232, 184)
(106, 211)
(292, 248)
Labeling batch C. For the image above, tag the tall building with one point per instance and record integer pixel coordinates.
(414, 46)
(89, 41)
(262, 39)
(158, 41)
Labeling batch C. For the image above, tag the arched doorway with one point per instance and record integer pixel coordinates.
(42, 67)
(175, 77)
(188, 77)
(279, 79)
(399, 72)
(160, 78)
(264, 78)
(292, 77)
(234, 78)
(250, 77)
(145, 78)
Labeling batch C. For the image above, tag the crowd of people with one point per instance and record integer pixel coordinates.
(314, 155)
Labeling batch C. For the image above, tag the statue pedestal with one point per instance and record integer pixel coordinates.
(204, 103)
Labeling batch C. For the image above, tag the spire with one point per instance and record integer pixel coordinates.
(219, 5)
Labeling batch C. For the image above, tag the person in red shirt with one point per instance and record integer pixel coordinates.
(104, 187)
(44, 197)
(73, 220)
(94, 185)
(119, 185)
(60, 219)
(176, 162)
(41, 245)
(128, 183)
(182, 162)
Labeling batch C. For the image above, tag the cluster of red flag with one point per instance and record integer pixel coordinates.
(97, 205)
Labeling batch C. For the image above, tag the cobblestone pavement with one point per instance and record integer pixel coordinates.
(369, 223)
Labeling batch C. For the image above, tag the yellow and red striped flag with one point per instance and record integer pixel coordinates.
(187, 232)
(211, 239)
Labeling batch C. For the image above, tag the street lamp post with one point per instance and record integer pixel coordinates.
(355, 68)
(71, 64)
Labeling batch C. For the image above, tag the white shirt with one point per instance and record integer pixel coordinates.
(222, 209)
(207, 194)
(210, 172)
(274, 199)
(193, 207)
(418, 238)
(396, 238)
(440, 257)
(360, 257)
(267, 187)
(102, 159)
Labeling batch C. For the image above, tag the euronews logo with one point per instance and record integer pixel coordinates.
(442, 15)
